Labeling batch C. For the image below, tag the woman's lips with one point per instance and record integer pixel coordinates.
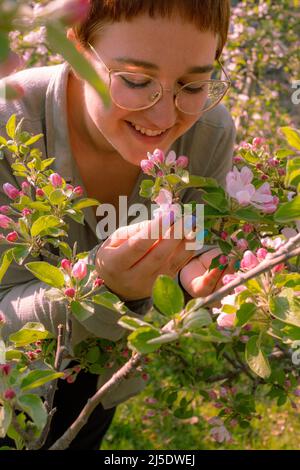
(145, 138)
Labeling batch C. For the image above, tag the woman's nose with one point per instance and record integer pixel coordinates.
(163, 114)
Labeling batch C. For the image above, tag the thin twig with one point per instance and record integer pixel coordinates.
(64, 441)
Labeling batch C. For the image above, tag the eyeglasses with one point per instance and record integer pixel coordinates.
(137, 91)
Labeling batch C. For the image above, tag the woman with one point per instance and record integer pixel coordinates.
(169, 46)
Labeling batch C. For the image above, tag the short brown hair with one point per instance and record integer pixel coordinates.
(207, 15)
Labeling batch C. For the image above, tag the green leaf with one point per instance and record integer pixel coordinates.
(85, 202)
(173, 179)
(292, 172)
(57, 197)
(81, 310)
(46, 162)
(29, 333)
(167, 296)
(33, 139)
(111, 301)
(11, 126)
(146, 188)
(138, 339)
(292, 136)
(256, 359)
(216, 200)
(5, 262)
(202, 182)
(47, 273)
(59, 42)
(288, 212)
(131, 323)
(287, 280)
(34, 407)
(250, 157)
(245, 312)
(286, 307)
(43, 223)
(20, 253)
(247, 214)
(12, 354)
(197, 319)
(5, 418)
(93, 354)
(65, 249)
(165, 338)
(36, 378)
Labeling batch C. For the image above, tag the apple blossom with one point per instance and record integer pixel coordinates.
(79, 270)
(147, 167)
(182, 162)
(242, 244)
(170, 158)
(26, 211)
(9, 394)
(5, 210)
(261, 254)
(249, 260)
(5, 369)
(12, 236)
(70, 292)
(5, 221)
(78, 190)
(11, 191)
(167, 210)
(66, 264)
(56, 180)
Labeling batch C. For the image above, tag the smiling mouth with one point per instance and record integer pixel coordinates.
(147, 132)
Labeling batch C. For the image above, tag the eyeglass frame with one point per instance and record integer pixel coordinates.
(227, 81)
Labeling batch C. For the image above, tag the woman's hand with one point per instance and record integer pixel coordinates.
(198, 281)
(130, 260)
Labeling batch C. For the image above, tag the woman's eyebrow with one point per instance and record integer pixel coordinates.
(149, 65)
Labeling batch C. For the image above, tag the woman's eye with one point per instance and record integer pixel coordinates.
(194, 89)
(135, 84)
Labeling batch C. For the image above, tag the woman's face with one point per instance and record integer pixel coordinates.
(172, 47)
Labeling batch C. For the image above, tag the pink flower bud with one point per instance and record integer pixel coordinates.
(5, 210)
(273, 162)
(182, 162)
(66, 264)
(56, 180)
(224, 235)
(78, 190)
(258, 141)
(25, 186)
(261, 254)
(11, 191)
(259, 166)
(228, 278)
(12, 236)
(147, 167)
(238, 159)
(158, 156)
(98, 282)
(69, 187)
(5, 369)
(223, 259)
(145, 376)
(249, 260)
(79, 270)
(5, 221)
(125, 353)
(242, 244)
(26, 212)
(9, 394)
(264, 177)
(70, 292)
(160, 173)
(70, 379)
(31, 355)
(248, 228)
(226, 320)
(244, 338)
(2, 319)
(38, 351)
(39, 192)
(278, 268)
(170, 158)
(281, 171)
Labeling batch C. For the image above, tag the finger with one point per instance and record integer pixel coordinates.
(123, 233)
(207, 257)
(140, 243)
(204, 285)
